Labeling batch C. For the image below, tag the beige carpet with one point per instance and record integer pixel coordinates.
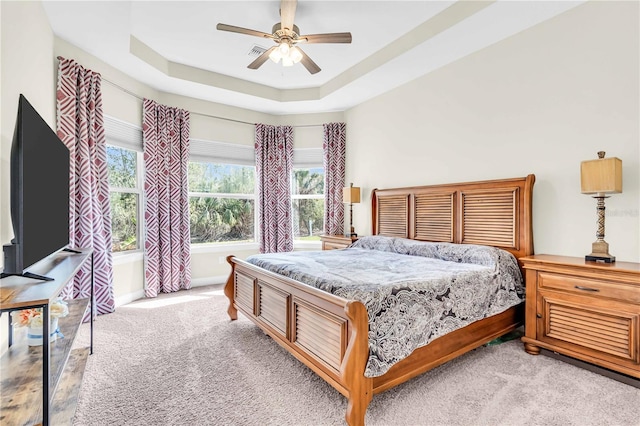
(178, 360)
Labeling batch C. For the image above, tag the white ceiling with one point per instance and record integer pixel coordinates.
(173, 46)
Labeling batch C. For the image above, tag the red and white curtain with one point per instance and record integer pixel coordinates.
(334, 150)
(274, 163)
(80, 125)
(165, 135)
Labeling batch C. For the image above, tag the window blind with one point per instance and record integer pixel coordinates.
(122, 134)
(220, 152)
(307, 158)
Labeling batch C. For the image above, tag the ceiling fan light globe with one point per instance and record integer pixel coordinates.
(284, 49)
(287, 61)
(295, 55)
(275, 55)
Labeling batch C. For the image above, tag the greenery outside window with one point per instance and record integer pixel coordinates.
(221, 202)
(124, 168)
(307, 198)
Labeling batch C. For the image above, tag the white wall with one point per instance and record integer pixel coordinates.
(539, 102)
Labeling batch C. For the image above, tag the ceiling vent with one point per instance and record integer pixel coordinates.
(257, 50)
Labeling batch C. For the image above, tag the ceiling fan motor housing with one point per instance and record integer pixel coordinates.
(279, 33)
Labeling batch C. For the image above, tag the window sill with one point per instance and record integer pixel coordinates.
(127, 256)
(223, 247)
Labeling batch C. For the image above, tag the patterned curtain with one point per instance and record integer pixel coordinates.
(80, 125)
(165, 136)
(274, 163)
(334, 149)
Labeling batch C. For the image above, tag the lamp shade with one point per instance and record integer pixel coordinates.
(351, 195)
(603, 175)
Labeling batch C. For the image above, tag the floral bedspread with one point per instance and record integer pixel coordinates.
(414, 291)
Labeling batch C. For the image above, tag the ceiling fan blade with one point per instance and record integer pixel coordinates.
(257, 63)
(311, 66)
(287, 13)
(240, 30)
(326, 38)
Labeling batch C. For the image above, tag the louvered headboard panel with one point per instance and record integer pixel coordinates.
(495, 213)
(393, 219)
(489, 217)
(434, 216)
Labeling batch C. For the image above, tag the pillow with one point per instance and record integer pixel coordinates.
(460, 253)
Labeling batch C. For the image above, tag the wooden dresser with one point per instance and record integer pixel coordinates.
(586, 310)
(332, 242)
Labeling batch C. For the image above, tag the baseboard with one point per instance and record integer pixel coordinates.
(196, 282)
(623, 378)
(199, 282)
(128, 298)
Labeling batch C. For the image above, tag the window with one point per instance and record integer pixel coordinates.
(221, 202)
(124, 165)
(124, 193)
(307, 198)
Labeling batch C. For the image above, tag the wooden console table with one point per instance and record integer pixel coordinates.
(38, 382)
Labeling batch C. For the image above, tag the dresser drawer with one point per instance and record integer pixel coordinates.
(602, 331)
(587, 286)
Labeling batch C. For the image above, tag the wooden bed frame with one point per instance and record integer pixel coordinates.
(329, 334)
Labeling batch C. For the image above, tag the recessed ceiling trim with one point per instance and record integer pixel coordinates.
(444, 20)
(213, 79)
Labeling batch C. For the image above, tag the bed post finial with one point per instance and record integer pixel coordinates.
(229, 290)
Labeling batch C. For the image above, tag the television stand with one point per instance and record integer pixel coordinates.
(40, 384)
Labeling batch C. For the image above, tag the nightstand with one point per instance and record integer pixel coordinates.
(332, 242)
(586, 310)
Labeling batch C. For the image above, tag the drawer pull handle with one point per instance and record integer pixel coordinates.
(579, 287)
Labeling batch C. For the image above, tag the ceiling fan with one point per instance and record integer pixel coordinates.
(287, 36)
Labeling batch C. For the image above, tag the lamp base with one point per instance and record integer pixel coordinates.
(600, 258)
(600, 253)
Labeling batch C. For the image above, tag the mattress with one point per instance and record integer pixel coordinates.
(414, 291)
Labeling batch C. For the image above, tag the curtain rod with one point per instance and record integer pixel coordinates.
(129, 92)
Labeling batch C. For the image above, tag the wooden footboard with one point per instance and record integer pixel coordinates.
(327, 333)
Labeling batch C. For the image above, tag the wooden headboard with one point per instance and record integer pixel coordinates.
(494, 213)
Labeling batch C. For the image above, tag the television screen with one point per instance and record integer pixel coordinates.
(39, 191)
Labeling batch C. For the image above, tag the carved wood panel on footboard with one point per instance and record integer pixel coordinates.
(312, 323)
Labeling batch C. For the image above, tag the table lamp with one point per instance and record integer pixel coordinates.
(351, 195)
(600, 177)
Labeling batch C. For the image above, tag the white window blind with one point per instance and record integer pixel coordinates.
(201, 150)
(122, 134)
(307, 158)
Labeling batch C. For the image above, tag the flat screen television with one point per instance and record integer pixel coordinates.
(39, 193)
